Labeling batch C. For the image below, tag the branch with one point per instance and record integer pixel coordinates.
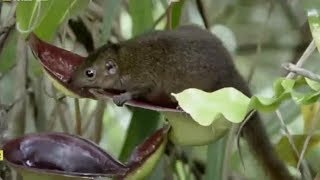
(306, 54)
(202, 13)
(305, 171)
(98, 121)
(78, 117)
(301, 61)
(160, 18)
(301, 71)
(259, 43)
(169, 16)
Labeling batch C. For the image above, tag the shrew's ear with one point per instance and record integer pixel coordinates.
(114, 47)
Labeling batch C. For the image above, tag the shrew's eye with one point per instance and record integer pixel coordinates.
(90, 73)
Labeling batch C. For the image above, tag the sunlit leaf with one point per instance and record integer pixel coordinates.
(233, 105)
(206, 107)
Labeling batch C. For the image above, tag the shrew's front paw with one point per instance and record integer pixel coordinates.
(119, 100)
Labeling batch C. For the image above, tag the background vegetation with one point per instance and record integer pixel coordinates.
(261, 35)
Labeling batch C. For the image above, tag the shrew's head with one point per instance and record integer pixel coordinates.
(100, 69)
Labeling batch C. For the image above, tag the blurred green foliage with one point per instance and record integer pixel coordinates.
(268, 33)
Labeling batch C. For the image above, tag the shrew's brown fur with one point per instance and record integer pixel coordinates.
(163, 62)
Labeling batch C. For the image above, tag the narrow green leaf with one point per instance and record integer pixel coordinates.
(176, 13)
(111, 9)
(143, 124)
(8, 55)
(215, 155)
(141, 14)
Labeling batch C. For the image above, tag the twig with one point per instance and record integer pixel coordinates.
(259, 43)
(77, 117)
(2, 75)
(17, 117)
(7, 27)
(96, 10)
(87, 123)
(53, 96)
(162, 16)
(4, 37)
(306, 54)
(310, 134)
(202, 12)
(238, 134)
(290, 13)
(176, 153)
(227, 155)
(301, 71)
(52, 118)
(305, 169)
(63, 120)
(300, 62)
(98, 121)
(169, 16)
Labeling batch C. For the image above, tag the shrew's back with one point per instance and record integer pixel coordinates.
(188, 57)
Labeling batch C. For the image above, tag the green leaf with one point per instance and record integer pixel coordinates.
(111, 9)
(176, 13)
(44, 17)
(286, 152)
(215, 159)
(309, 113)
(310, 4)
(230, 103)
(141, 14)
(8, 55)
(59, 11)
(143, 124)
(30, 13)
(313, 84)
(314, 22)
(182, 124)
(206, 107)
